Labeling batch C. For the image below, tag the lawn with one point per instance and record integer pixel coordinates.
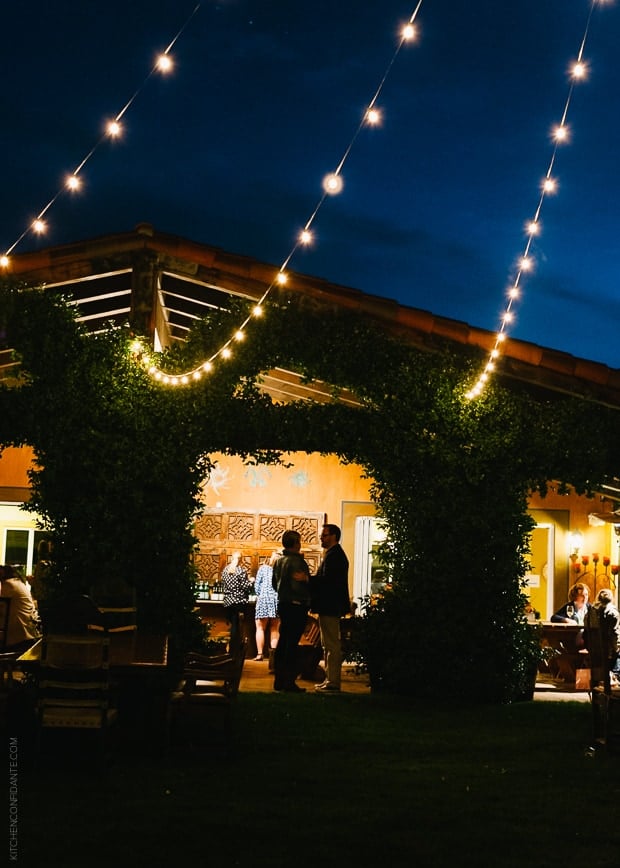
(338, 781)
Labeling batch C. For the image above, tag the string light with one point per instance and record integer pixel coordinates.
(332, 184)
(113, 129)
(560, 135)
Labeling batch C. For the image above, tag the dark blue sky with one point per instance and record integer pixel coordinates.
(231, 148)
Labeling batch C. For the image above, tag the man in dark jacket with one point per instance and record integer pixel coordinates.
(330, 600)
(291, 581)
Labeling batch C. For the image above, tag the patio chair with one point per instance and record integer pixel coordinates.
(73, 689)
(201, 706)
(116, 619)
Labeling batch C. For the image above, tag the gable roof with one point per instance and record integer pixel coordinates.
(169, 282)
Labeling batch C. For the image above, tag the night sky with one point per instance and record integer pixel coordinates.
(230, 149)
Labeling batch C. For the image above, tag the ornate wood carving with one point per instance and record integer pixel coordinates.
(255, 535)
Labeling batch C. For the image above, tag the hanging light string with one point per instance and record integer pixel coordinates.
(113, 129)
(560, 136)
(332, 185)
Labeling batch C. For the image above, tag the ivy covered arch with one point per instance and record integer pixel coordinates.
(121, 461)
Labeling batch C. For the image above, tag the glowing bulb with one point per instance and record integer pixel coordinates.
(533, 227)
(207, 367)
(4, 261)
(226, 353)
(239, 336)
(494, 353)
(526, 263)
(164, 63)
(113, 129)
(39, 226)
(136, 347)
(513, 292)
(579, 70)
(196, 375)
(305, 236)
(560, 133)
(508, 317)
(332, 184)
(73, 182)
(499, 337)
(281, 278)
(258, 311)
(550, 185)
(409, 32)
(373, 117)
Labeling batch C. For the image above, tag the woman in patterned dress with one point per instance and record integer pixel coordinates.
(266, 607)
(236, 585)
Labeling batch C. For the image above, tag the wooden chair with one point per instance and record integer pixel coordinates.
(201, 706)
(74, 689)
(116, 619)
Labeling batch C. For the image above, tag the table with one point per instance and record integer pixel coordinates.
(129, 650)
(566, 639)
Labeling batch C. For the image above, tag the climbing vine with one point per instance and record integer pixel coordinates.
(121, 460)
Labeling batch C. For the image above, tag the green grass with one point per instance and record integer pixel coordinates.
(338, 781)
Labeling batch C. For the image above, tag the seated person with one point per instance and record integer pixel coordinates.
(574, 611)
(23, 630)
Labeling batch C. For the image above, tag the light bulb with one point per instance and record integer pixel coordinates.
(164, 63)
(332, 184)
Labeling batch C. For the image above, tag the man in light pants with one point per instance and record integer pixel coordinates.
(330, 600)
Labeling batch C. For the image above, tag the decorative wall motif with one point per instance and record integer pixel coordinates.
(272, 527)
(208, 567)
(240, 526)
(209, 526)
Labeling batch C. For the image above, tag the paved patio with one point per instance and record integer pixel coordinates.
(256, 677)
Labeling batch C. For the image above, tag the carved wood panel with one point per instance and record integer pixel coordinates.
(255, 534)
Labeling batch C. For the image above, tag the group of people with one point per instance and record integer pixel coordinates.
(600, 622)
(285, 593)
(23, 628)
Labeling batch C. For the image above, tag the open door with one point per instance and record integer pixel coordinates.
(540, 578)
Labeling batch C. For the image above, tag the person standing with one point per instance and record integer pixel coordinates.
(291, 581)
(266, 608)
(331, 601)
(236, 583)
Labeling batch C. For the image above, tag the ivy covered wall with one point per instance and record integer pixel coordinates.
(122, 459)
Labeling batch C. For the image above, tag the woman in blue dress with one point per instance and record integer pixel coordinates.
(266, 607)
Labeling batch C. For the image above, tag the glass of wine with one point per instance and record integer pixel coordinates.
(570, 610)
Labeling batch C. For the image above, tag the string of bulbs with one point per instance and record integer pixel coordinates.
(332, 184)
(113, 129)
(560, 135)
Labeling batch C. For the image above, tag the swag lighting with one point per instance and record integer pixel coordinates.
(526, 263)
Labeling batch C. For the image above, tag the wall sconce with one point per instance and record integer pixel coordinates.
(576, 543)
